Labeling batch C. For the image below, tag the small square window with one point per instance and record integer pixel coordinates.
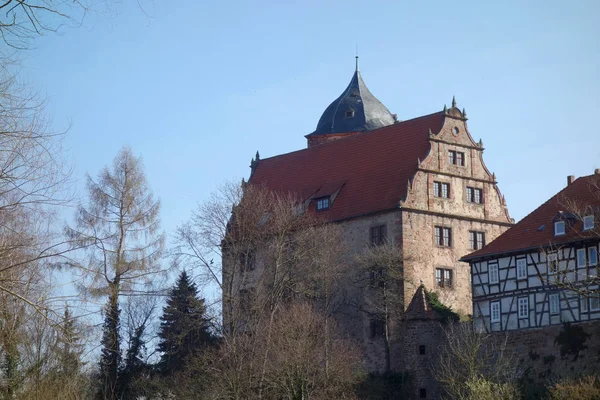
(554, 303)
(559, 228)
(523, 307)
(493, 273)
(456, 157)
(443, 277)
(495, 311)
(588, 222)
(349, 114)
(581, 258)
(377, 327)
(592, 256)
(323, 203)
(422, 349)
(521, 268)
(443, 236)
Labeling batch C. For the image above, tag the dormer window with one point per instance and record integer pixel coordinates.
(588, 222)
(559, 228)
(323, 203)
(349, 114)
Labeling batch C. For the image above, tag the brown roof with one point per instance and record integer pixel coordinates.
(372, 168)
(420, 308)
(536, 230)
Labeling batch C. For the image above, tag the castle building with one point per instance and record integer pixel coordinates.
(420, 183)
(543, 271)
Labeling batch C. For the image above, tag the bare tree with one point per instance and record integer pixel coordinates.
(381, 275)
(119, 228)
(473, 364)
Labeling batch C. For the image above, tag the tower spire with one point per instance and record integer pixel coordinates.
(356, 57)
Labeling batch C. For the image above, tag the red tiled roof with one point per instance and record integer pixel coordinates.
(528, 233)
(373, 167)
(420, 308)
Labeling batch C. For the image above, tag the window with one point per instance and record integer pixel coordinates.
(377, 277)
(552, 263)
(495, 311)
(443, 277)
(443, 236)
(456, 157)
(378, 235)
(521, 268)
(595, 302)
(554, 303)
(422, 393)
(323, 203)
(583, 301)
(247, 260)
(476, 240)
(377, 327)
(493, 273)
(422, 349)
(592, 255)
(349, 114)
(588, 222)
(441, 189)
(523, 307)
(559, 228)
(581, 259)
(474, 195)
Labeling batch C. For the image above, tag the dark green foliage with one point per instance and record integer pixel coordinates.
(447, 312)
(110, 358)
(184, 329)
(571, 340)
(134, 368)
(70, 349)
(385, 386)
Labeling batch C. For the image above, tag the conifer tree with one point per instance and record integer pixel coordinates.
(184, 328)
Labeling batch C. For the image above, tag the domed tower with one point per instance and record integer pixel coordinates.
(356, 110)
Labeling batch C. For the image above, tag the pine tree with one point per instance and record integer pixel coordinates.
(70, 349)
(110, 358)
(184, 328)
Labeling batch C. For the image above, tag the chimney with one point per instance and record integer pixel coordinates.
(570, 179)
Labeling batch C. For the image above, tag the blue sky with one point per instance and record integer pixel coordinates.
(198, 87)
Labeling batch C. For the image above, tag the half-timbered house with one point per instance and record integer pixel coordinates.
(544, 270)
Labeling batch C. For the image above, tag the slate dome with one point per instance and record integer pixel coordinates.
(356, 110)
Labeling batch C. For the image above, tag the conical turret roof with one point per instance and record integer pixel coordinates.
(355, 110)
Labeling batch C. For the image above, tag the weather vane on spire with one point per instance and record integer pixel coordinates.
(356, 57)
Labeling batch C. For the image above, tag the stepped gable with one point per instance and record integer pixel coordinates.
(420, 308)
(365, 173)
(536, 230)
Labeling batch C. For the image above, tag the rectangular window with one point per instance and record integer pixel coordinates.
(456, 157)
(495, 311)
(493, 273)
(521, 268)
(441, 189)
(588, 222)
(476, 240)
(595, 302)
(377, 327)
(592, 255)
(443, 236)
(581, 259)
(583, 302)
(443, 277)
(377, 277)
(559, 228)
(323, 203)
(552, 263)
(474, 195)
(523, 307)
(554, 303)
(378, 235)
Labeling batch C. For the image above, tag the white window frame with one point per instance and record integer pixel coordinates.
(581, 255)
(592, 261)
(588, 222)
(554, 303)
(493, 272)
(562, 230)
(584, 303)
(552, 258)
(495, 305)
(323, 203)
(523, 307)
(595, 303)
(521, 268)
